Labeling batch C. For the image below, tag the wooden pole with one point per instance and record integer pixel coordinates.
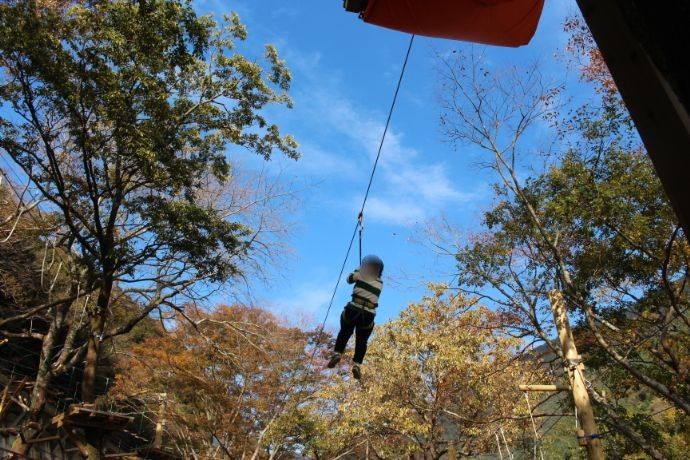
(160, 423)
(575, 370)
(544, 387)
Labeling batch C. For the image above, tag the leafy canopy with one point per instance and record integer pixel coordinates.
(442, 376)
(121, 112)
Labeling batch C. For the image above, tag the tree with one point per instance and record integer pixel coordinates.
(119, 114)
(595, 220)
(442, 376)
(227, 377)
(40, 292)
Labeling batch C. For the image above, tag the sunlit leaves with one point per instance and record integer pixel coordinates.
(442, 371)
(135, 106)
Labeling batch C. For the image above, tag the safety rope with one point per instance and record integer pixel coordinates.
(503, 436)
(537, 441)
(498, 443)
(359, 227)
(360, 218)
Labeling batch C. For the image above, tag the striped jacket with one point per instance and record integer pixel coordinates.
(366, 292)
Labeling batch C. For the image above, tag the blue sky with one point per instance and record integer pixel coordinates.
(344, 74)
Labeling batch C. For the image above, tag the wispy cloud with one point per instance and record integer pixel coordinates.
(322, 162)
(340, 139)
(284, 12)
(428, 182)
(398, 212)
(408, 187)
(305, 305)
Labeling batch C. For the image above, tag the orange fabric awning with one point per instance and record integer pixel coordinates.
(493, 22)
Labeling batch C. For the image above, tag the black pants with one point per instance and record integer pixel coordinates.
(351, 320)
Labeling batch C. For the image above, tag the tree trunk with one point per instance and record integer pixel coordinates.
(93, 352)
(88, 384)
(43, 377)
(160, 422)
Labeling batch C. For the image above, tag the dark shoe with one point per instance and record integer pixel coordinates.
(356, 371)
(335, 359)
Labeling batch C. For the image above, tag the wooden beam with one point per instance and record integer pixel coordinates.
(4, 397)
(87, 416)
(8, 397)
(557, 387)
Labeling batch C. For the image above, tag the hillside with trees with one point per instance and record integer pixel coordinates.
(126, 213)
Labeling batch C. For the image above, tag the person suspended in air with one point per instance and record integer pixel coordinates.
(358, 315)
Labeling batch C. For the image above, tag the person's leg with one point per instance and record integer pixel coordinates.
(365, 326)
(347, 327)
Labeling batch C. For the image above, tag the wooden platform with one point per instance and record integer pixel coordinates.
(85, 415)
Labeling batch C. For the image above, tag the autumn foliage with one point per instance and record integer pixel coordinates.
(442, 377)
(226, 375)
(582, 49)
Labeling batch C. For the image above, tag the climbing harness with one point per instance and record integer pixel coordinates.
(360, 216)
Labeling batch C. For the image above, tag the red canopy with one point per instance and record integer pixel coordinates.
(494, 22)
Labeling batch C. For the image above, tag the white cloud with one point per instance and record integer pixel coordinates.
(320, 162)
(342, 141)
(306, 301)
(398, 212)
(299, 62)
(429, 182)
(284, 12)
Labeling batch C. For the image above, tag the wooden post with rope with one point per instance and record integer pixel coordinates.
(575, 369)
(160, 421)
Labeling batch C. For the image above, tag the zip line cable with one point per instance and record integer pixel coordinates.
(359, 225)
(360, 216)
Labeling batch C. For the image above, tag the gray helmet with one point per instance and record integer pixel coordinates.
(374, 260)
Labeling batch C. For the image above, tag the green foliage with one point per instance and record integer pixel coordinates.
(598, 212)
(121, 112)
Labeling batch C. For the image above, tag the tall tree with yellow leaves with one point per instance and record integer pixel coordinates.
(442, 377)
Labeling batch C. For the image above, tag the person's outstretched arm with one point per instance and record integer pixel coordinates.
(354, 276)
